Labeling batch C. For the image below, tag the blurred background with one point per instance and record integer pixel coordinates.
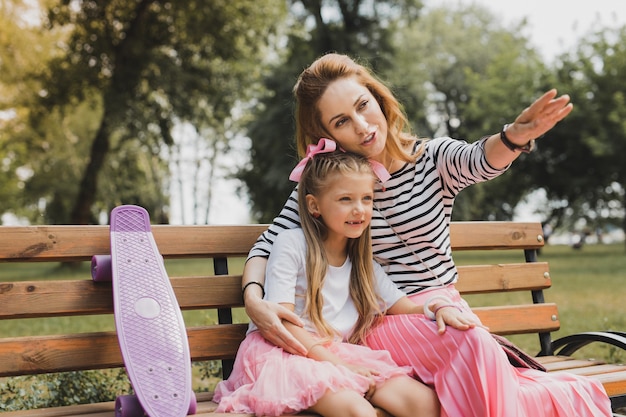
(185, 107)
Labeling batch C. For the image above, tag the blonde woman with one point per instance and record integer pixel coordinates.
(325, 274)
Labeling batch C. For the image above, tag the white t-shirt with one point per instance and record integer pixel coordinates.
(286, 282)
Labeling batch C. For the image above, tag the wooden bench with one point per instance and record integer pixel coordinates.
(220, 289)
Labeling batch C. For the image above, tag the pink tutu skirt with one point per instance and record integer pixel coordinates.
(268, 381)
(472, 375)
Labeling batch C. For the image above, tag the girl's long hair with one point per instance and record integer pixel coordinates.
(314, 181)
(312, 84)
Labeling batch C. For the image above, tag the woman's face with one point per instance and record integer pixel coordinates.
(353, 118)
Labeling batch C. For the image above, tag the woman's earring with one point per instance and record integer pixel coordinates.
(316, 215)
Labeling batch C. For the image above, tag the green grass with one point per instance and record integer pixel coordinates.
(588, 286)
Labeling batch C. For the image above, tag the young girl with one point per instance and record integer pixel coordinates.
(325, 273)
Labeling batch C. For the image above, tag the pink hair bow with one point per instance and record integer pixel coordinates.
(326, 146)
(323, 146)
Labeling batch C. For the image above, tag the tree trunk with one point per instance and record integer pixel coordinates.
(125, 77)
(81, 213)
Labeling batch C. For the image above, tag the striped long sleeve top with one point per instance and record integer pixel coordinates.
(412, 212)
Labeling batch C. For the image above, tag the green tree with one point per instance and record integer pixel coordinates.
(465, 75)
(457, 72)
(582, 166)
(124, 73)
(24, 51)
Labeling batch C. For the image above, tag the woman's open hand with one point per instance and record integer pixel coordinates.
(541, 116)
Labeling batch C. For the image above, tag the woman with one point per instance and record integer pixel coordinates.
(339, 99)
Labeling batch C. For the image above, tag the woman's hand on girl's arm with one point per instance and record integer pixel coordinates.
(266, 315)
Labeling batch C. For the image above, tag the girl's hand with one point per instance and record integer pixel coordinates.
(366, 372)
(454, 317)
(268, 317)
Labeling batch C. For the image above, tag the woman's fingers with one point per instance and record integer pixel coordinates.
(269, 320)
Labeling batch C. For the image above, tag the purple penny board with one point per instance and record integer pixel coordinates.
(149, 323)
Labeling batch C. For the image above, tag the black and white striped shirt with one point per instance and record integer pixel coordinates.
(414, 205)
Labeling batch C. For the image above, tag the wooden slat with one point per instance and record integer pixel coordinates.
(41, 354)
(75, 243)
(614, 382)
(31, 299)
(478, 235)
(612, 376)
(474, 279)
(205, 408)
(527, 318)
(572, 365)
(544, 360)
(594, 369)
(54, 298)
(70, 243)
(104, 409)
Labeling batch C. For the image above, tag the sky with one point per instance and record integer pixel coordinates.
(553, 25)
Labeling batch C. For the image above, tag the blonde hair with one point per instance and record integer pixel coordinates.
(312, 84)
(314, 181)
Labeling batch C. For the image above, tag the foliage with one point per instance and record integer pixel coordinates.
(582, 167)
(24, 50)
(132, 69)
(67, 388)
(90, 93)
(210, 372)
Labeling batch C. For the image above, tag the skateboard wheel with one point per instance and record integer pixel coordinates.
(101, 268)
(128, 406)
(193, 404)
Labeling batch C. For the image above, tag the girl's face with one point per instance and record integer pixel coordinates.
(345, 206)
(353, 118)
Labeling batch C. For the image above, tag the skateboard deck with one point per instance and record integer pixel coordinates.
(150, 326)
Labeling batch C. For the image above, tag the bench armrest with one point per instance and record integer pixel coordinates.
(569, 344)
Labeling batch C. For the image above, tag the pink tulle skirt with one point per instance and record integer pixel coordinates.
(268, 381)
(472, 375)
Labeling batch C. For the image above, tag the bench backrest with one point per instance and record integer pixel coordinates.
(221, 290)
